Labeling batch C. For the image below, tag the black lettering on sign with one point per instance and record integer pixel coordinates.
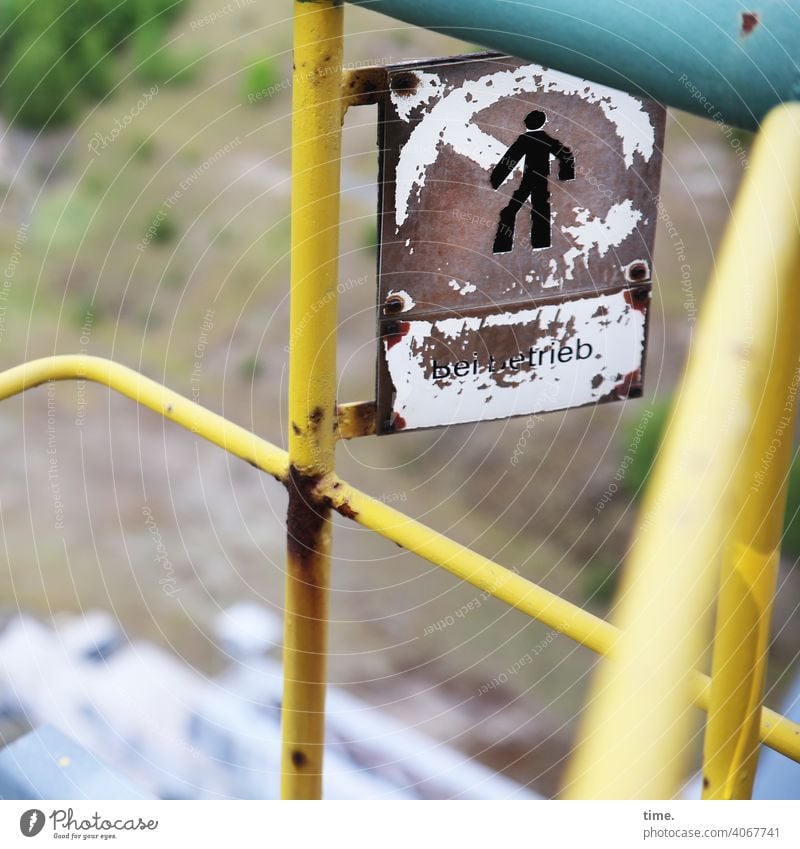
(532, 358)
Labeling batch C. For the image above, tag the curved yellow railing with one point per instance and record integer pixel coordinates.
(211, 426)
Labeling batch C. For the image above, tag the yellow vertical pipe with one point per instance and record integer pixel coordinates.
(750, 567)
(637, 735)
(316, 153)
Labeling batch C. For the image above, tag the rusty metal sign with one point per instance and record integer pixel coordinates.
(517, 215)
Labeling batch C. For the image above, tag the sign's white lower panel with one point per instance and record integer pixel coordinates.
(496, 365)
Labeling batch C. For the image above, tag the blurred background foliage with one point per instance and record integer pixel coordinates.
(57, 58)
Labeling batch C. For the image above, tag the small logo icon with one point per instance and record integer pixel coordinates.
(31, 822)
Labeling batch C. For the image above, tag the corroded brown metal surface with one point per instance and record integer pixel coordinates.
(481, 231)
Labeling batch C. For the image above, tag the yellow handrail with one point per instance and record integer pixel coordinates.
(638, 740)
(760, 262)
(211, 426)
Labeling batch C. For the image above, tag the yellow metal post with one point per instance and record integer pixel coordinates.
(637, 736)
(316, 150)
(764, 249)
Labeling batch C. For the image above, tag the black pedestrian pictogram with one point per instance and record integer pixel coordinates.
(537, 148)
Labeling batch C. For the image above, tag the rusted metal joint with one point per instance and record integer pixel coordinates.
(356, 419)
(305, 516)
(310, 501)
(362, 86)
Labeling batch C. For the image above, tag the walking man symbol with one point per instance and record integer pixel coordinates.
(537, 148)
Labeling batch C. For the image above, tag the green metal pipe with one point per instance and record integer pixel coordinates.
(722, 59)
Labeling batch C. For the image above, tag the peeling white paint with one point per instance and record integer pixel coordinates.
(553, 279)
(424, 402)
(450, 121)
(450, 328)
(430, 87)
(462, 288)
(599, 234)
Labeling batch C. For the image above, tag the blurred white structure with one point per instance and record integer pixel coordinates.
(178, 734)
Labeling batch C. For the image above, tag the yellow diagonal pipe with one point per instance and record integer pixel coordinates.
(580, 625)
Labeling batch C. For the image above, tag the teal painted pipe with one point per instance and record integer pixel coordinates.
(726, 60)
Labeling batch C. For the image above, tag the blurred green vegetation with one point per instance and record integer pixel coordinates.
(163, 228)
(157, 63)
(648, 443)
(262, 80)
(599, 580)
(791, 522)
(250, 368)
(369, 236)
(55, 58)
(638, 472)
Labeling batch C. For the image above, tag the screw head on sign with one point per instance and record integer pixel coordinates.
(638, 271)
(394, 303)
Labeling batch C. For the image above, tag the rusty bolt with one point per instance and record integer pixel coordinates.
(394, 303)
(404, 83)
(635, 391)
(391, 327)
(636, 272)
(641, 295)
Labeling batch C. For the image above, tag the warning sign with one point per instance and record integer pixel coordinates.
(517, 217)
